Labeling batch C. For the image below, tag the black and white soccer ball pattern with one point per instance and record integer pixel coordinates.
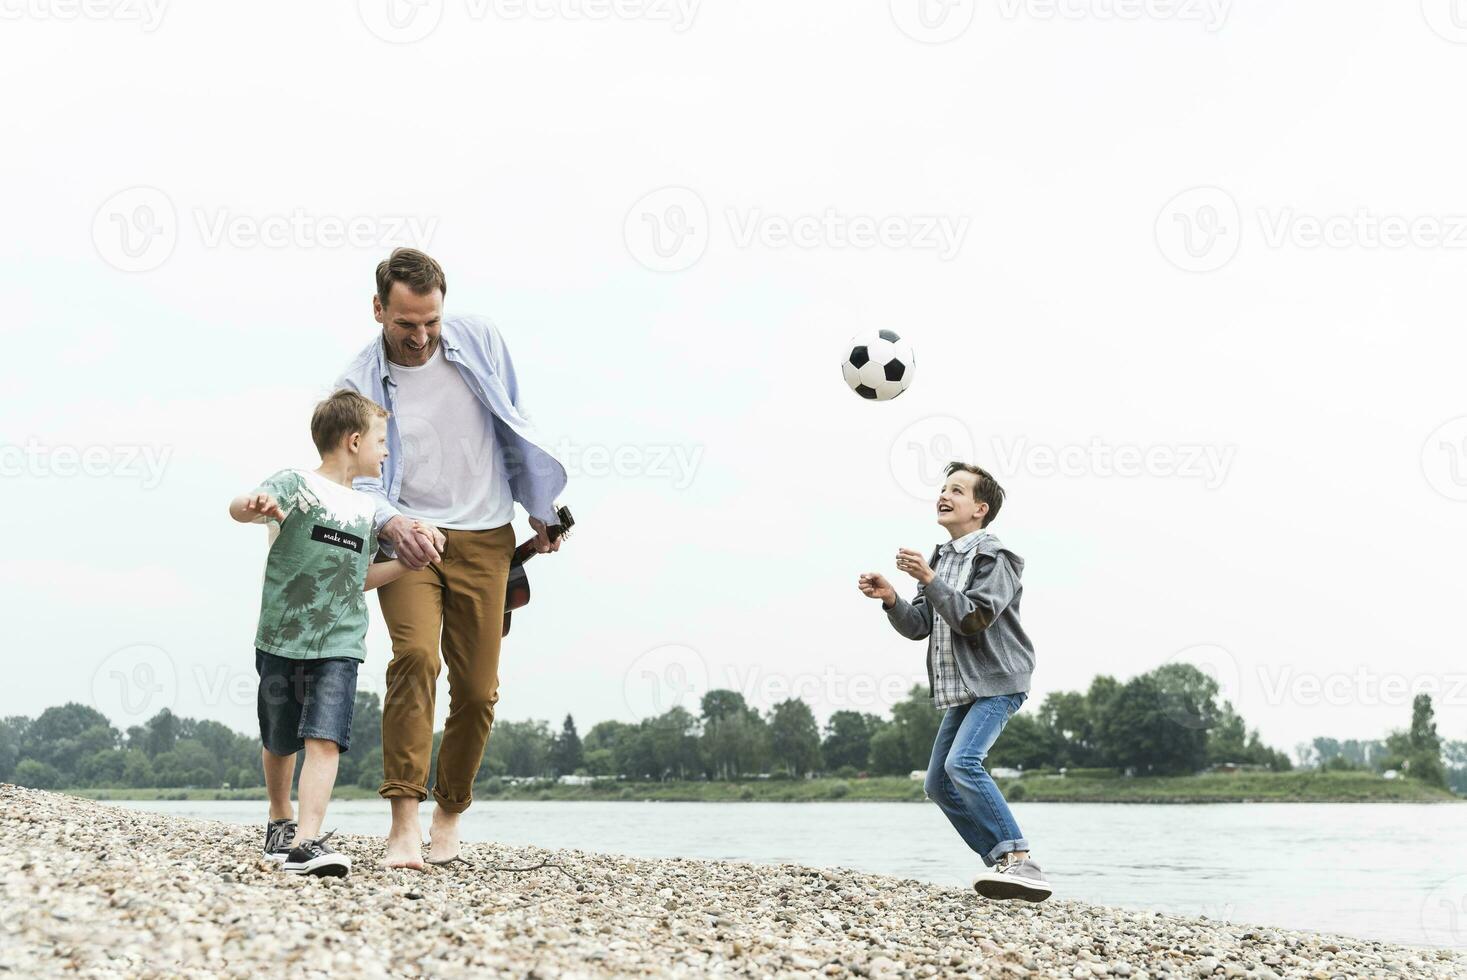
(879, 365)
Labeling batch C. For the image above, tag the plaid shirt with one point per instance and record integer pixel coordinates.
(954, 563)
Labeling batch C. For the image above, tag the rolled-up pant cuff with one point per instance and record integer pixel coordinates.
(1004, 847)
(450, 806)
(397, 789)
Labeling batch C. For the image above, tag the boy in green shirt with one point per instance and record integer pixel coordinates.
(313, 619)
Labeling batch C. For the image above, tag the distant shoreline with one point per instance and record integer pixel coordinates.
(1264, 787)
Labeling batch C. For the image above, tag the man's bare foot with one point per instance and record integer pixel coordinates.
(404, 851)
(405, 840)
(443, 841)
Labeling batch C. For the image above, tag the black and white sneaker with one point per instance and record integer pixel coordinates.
(278, 837)
(1014, 879)
(316, 857)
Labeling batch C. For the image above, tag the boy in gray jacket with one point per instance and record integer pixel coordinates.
(979, 661)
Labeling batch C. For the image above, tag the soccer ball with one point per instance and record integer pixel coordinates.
(878, 365)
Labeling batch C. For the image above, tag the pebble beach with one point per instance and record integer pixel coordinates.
(92, 890)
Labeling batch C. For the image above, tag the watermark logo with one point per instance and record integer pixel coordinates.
(1448, 18)
(1200, 230)
(400, 21)
(663, 678)
(33, 458)
(921, 451)
(1219, 666)
(135, 230)
(933, 21)
(408, 21)
(1211, 14)
(134, 683)
(1444, 914)
(1444, 459)
(668, 229)
(147, 14)
(940, 233)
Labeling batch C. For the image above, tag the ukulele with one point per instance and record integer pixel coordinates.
(517, 589)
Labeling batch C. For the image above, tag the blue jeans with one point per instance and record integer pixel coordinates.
(301, 699)
(962, 788)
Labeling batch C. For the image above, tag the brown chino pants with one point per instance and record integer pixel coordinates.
(461, 600)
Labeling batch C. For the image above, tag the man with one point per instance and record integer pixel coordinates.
(461, 453)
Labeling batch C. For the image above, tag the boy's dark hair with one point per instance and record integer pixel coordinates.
(414, 269)
(340, 415)
(985, 489)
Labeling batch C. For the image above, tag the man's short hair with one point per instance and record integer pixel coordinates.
(340, 415)
(414, 269)
(985, 488)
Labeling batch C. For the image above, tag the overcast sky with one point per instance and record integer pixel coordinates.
(1186, 276)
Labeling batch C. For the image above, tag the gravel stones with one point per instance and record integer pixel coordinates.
(92, 890)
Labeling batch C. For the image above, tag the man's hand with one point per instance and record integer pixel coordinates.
(265, 505)
(431, 534)
(416, 549)
(873, 585)
(914, 565)
(542, 537)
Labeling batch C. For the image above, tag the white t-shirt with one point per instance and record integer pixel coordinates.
(452, 474)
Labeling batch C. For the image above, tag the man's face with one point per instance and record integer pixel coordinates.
(371, 448)
(956, 504)
(410, 324)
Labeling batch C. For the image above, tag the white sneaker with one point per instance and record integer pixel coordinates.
(1014, 879)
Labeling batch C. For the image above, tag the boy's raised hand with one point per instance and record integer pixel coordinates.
(874, 586)
(264, 505)
(914, 565)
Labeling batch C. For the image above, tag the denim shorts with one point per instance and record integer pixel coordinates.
(301, 699)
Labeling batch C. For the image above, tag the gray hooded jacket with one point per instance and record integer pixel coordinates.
(993, 652)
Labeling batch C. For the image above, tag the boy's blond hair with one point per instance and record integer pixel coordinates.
(343, 413)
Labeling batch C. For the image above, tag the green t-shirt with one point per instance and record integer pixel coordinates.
(312, 605)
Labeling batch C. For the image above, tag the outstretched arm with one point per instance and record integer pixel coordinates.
(256, 507)
(911, 619)
(379, 573)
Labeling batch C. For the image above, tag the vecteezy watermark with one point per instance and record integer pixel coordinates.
(940, 233)
(1212, 15)
(921, 451)
(1448, 18)
(665, 677)
(147, 14)
(1444, 914)
(137, 229)
(677, 676)
(675, 463)
(932, 21)
(407, 21)
(1217, 665)
(1284, 685)
(1199, 230)
(134, 683)
(33, 458)
(669, 229)
(1444, 459)
(1202, 229)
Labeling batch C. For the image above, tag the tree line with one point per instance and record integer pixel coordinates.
(1169, 721)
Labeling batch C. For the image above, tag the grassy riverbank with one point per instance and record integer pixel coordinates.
(1261, 787)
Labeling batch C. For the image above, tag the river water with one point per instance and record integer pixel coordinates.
(1395, 872)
